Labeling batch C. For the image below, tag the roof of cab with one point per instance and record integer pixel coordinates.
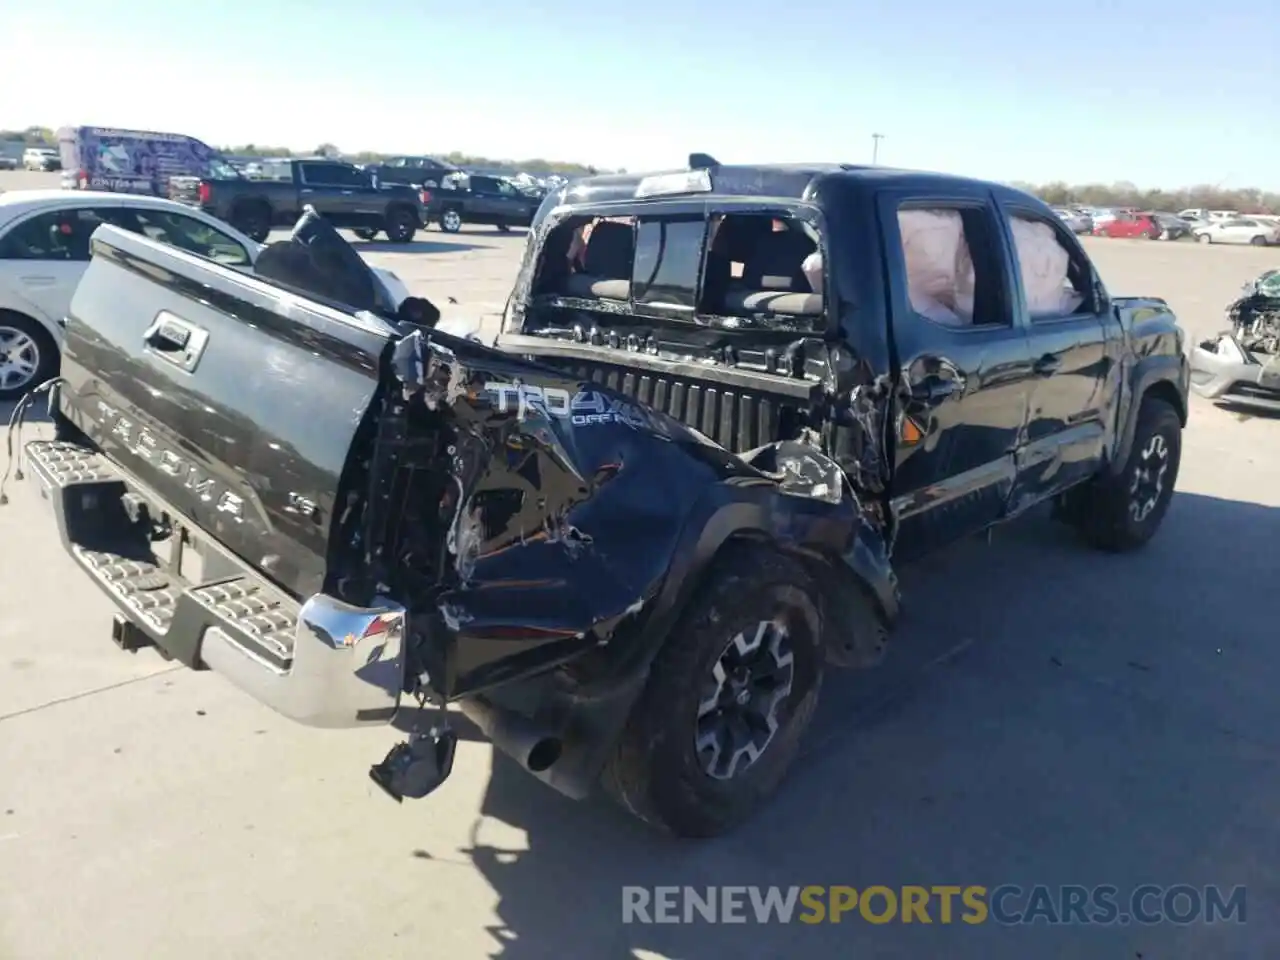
(778, 180)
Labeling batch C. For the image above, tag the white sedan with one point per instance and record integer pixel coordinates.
(44, 250)
(1259, 233)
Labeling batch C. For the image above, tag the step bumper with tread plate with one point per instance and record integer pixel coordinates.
(323, 663)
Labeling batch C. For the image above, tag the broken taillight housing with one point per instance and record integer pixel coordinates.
(203, 192)
(426, 197)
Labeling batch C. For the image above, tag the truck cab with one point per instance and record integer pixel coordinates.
(955, 350)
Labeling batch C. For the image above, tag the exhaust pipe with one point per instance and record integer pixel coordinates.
(528, 743)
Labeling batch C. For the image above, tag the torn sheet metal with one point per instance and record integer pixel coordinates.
(574, 502)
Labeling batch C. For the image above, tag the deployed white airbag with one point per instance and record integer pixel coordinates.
(940, 277)
(1044, 264)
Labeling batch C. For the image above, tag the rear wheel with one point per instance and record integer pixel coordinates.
(503, 227)
(401, 225)
(1123, 511)
(728, 698)
(28, 355)
(254, 221)
(451, 221)
(1205, 238)
(1258, 241)
(365, 233)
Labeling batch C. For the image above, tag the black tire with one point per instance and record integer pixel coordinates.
(401, 224)
(31, 342)
(1258, 241)
(657, 771)
(1123, 511)
(366, 233)
(253, 220)
(451, 220)
(503, 227)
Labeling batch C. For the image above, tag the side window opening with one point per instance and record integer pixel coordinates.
(758, 263)
(951, 269)
(590, 258)
(1055, 278)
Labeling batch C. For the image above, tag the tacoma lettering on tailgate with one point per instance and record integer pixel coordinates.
(143, 444)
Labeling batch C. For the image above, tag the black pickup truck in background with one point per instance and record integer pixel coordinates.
(417, 172)
(343, 194)
(484, 200)
(629, 543)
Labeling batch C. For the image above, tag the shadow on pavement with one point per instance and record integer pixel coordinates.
(416, 246)
(1048, 715)
(37, 412)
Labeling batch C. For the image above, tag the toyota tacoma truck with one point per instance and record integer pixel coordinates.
(342, 193)
(629, 542)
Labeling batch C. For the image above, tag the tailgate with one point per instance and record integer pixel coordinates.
(233, 400)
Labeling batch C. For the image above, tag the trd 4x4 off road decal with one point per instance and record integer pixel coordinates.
(585, 408)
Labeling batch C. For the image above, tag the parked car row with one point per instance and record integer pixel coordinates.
(397, 198)
(1202, 225)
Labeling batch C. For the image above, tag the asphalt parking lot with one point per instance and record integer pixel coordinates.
(1048, 716)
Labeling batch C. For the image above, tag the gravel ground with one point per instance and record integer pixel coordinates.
(1048, 716)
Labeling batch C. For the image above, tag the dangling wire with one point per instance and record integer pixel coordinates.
(14, 433)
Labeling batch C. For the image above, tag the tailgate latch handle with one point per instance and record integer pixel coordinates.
(174, 339)
(167, 335)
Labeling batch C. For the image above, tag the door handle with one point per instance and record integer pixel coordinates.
(175, 340)
(167, 335)
(1047, 364)
(933, 390)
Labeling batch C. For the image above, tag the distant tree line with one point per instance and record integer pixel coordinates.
(1057, 193)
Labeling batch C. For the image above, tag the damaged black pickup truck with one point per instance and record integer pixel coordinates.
(628, 543)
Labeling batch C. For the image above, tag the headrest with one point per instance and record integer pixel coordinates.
(610, 250)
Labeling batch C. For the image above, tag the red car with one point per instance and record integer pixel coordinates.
(1131, 225)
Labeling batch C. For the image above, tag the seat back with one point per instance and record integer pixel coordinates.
(610, 251)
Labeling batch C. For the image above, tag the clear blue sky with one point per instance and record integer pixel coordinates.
(1164, 93)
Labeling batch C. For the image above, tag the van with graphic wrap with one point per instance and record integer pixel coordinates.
(134, 161)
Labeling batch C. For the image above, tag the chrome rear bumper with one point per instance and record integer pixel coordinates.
(323, 663)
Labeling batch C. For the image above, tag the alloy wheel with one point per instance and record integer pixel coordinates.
(19, 358)
(1147, 485)
(742, 699)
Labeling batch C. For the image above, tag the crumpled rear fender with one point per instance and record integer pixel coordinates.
(583, 520)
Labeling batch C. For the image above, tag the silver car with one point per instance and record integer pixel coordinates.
(1076, 221)
(1257, 233)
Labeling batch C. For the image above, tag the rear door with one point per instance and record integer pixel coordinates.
(486, 204)
(965, 362)
(513, 207)
(1074, 351)
(43, 256)
(335, 190)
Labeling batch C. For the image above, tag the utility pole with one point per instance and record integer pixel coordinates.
(875, 146)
